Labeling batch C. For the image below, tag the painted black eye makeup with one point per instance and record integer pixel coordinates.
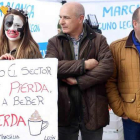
(20, 29)
(8, 22)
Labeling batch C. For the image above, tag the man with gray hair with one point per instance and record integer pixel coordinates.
(84, 65)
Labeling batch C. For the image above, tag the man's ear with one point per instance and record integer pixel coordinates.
(134, 22)
(81, 18)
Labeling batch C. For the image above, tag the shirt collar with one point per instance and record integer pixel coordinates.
(79, 38)
(135, 41)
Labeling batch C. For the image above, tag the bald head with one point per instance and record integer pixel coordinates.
(71, 19)
(76, 8)
(136, 14)
(136, 23)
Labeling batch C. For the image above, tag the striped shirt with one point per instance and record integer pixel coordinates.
(76, 44)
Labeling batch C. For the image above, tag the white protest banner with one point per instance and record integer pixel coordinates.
(114, 16)
(28, 99)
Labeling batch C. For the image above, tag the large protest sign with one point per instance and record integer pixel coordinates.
(28, 99)
(114, 16)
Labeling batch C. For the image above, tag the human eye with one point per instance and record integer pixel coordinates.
(9, 24)
(17, 25)
(66, 17)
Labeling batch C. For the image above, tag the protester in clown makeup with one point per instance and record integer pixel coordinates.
(16, 41)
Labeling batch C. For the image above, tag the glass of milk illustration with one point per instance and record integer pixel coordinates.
(36, 124)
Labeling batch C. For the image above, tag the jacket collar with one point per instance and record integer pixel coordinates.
(129, 41)
(90, 33)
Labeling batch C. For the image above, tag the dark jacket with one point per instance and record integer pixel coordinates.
(91, 83)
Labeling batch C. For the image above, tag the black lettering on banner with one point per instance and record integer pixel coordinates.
(4, 102)
(28, 100)
(11, 72)
(2, 73)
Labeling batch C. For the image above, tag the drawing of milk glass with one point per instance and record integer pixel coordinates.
(36, 124)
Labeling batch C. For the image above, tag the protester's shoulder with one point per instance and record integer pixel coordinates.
(53, 38)
(119, 43)
(57, 37)
(98, 35)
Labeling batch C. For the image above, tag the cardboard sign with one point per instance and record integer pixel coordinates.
(28, 99)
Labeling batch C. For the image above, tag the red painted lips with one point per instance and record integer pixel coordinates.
(12, 33)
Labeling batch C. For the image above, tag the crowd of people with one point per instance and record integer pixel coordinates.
(91, 74)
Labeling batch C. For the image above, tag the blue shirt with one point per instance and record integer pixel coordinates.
(136, 42)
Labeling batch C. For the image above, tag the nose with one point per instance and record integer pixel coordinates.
(61, 21)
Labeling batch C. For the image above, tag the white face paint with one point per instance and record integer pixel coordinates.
(13, 27)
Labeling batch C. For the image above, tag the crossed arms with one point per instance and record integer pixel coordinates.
(82, 71)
